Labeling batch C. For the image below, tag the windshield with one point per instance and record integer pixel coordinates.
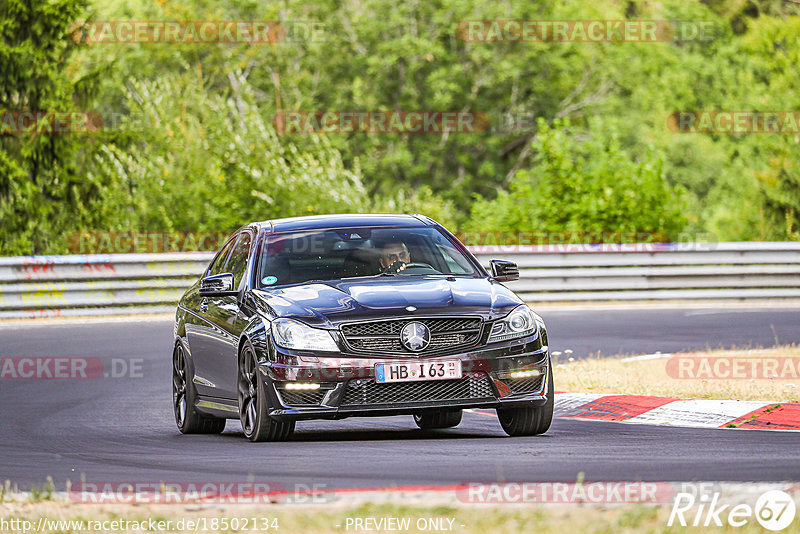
(322, 255)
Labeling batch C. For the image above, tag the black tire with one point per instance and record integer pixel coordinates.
(438, 419)
(253, 403)
(184, 398)
(529, 421)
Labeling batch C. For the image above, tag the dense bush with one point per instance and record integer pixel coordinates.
(193, 161)
(190, 144)
(42, 187)
(585, 185)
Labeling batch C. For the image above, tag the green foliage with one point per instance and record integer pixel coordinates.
(191, 143)
(584, 184)
(43, 493)
(773, 46)
(42, 191)
(423, 201)
(188, 160)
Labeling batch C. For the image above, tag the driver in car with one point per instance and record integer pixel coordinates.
(394, 256)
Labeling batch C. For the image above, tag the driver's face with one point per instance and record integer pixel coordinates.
(393, 252)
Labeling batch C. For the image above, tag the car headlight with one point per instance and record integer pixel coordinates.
(291, 334)
(520, 322)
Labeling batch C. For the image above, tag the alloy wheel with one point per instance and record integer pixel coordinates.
(248, 391)
(179, 385)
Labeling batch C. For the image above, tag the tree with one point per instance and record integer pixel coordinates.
(185, 159)
(583, 182)
(43, 194)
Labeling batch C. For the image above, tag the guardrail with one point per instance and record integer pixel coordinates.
(96, 284)
(653, 271)
(44, 286)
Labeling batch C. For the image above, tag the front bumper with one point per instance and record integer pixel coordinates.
(346, 384)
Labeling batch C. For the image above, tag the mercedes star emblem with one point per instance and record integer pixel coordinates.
(415, 336)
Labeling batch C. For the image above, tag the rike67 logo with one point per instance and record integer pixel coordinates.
(774, 510)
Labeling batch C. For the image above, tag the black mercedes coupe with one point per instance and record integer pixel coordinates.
(334, 316)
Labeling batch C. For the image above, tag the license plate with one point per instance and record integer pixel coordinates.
(411, 371)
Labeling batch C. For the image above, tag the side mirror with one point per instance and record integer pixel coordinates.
(217, 285)
(504, 271)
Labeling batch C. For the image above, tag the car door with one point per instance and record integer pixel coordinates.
(201, 332)
(227, 321)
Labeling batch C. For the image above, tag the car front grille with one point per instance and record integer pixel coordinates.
(384, 336)
(302, 398)
(526, 385)
(371, 393)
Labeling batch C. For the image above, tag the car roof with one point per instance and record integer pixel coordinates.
(347, 220)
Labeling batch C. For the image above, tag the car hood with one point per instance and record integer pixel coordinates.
(331, 303)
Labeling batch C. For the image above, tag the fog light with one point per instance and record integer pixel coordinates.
(532, 373)
(301, 385)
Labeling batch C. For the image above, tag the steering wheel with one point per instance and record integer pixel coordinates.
(398, 266)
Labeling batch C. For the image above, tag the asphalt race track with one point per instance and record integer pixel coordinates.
(122, 429)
